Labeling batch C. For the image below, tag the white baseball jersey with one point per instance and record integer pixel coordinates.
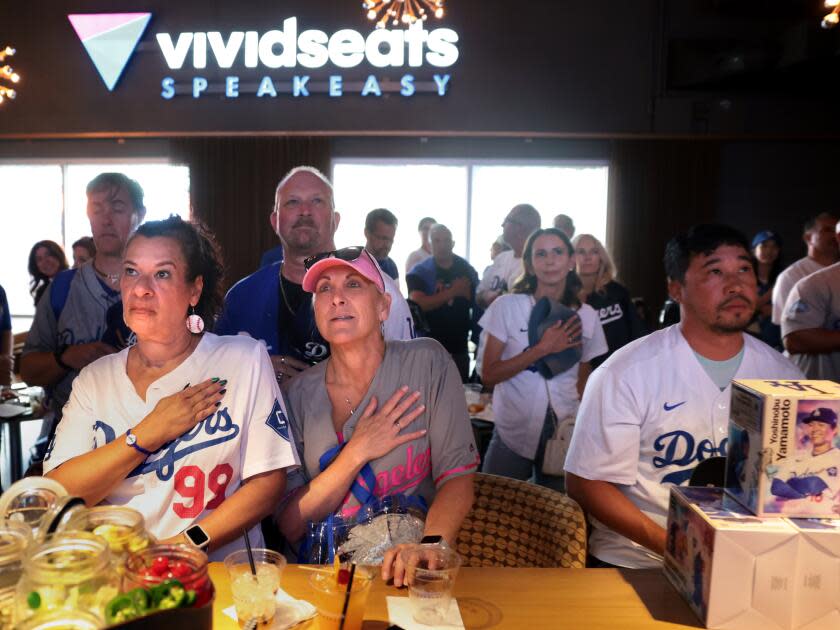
(785, 282)
(184, 480)
(815, 303)
(649, 415)
(520, 403)
(825, 467)
(502, 273)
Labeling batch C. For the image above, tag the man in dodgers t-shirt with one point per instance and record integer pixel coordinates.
(660, 405)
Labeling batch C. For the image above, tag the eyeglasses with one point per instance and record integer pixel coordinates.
(348, 254)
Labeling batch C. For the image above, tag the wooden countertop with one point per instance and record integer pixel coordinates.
(588, 599)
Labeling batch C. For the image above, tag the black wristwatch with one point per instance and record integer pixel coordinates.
(57, 354)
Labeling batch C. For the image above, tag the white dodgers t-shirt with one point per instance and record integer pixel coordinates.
(520, 403)
(184, 480)
(502, 273)
(649, 415)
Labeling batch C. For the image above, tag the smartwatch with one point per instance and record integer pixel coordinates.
(438, 541)
(197, 536)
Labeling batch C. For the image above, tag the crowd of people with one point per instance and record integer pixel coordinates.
(314, 389)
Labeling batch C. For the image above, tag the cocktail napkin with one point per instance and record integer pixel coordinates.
(399, 613)
(290, 611)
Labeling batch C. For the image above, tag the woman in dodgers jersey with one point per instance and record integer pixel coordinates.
(521, 395)
(186, 427)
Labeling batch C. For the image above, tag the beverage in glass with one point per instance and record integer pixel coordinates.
(330, 598)
(254, 595)
(430, 572)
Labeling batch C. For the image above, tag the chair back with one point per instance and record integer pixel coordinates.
(519, 524)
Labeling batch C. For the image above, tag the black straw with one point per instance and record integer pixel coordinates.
(347, 596)
(250, 553)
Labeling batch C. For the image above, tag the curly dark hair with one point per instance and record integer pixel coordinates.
(39, 281)
(527, 282)
(203, 257)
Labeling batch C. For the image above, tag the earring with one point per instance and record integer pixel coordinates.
(194, 322)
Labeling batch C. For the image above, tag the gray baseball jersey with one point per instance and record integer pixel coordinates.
(814, 302)
(418, 467)
(81, 320)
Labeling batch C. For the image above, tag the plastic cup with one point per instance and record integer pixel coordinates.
(254, 595)
(430, 573)
(330, 598)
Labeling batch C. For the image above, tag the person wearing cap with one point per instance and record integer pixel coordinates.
(767, 249)
(815, 475)
(821, 239)
(660, 405)
(811, 324)
(529, 394)
(377, 418)
(271, 305)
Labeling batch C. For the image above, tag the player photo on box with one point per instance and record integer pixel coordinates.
(811, 479)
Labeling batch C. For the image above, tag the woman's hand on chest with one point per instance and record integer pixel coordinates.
(377, 432)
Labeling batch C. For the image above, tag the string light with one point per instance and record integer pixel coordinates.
(831, 19)
(7, 75)
(405, 12)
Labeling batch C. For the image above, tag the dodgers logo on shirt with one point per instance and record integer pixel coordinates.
(277, 421)
(798, 307)
(214, 429)
(681, 448)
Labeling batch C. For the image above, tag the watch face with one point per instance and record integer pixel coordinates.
(431, 540)
(131, 439)
(197, 536)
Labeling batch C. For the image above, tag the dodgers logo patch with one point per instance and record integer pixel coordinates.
(798, 307)
(277, 421)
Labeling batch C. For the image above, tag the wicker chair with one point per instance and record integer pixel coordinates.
(518, 524)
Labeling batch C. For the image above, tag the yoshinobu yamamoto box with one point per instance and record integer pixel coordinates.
(783, 457)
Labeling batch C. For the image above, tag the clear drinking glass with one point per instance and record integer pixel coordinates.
(254, 595)
(430, 572)
(330, 598)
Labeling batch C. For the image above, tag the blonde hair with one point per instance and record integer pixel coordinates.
(606, 268)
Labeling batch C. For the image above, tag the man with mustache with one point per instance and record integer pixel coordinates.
(660, 405)
(271, 304)
(79, 317)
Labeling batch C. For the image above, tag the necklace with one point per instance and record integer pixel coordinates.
(350, 405)
(283, 294)
(113, 278)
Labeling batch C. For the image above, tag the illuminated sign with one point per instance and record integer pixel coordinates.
(312, 48)
(110, 40)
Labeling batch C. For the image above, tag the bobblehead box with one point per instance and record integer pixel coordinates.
(743, 572)
(734, 569)
(817, 572)
(782, 455)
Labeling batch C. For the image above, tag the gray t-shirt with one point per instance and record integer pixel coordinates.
(814, 302)
(418, 467)
(81, 320)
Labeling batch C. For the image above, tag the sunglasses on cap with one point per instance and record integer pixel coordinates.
(348, 254)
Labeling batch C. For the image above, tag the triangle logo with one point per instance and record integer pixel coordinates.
(110, 40)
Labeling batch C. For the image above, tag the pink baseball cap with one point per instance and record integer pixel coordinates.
(357, 258)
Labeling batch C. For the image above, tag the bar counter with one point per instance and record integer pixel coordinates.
(589, 599)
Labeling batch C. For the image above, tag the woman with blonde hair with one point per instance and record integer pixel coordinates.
(610, 299)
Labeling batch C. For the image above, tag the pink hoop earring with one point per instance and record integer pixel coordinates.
(194, 322)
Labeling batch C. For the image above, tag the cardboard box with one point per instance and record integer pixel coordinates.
(734, 569)
(783, 457)
(817, 601)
